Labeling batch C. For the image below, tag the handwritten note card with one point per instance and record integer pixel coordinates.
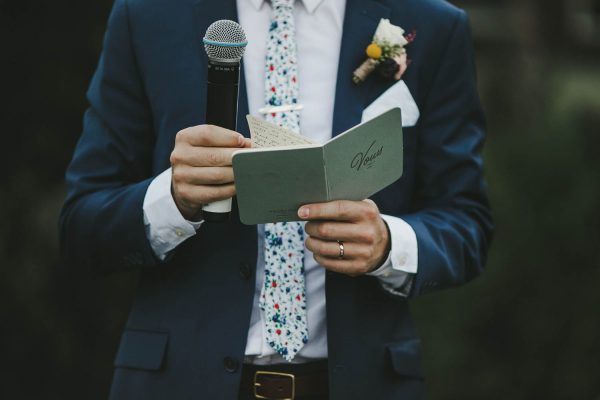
(265, 134)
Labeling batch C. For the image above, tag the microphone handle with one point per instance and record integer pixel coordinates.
(221, 110)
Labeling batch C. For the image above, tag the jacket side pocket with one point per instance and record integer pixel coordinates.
(405, 357)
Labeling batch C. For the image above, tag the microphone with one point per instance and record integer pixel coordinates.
(225, 43)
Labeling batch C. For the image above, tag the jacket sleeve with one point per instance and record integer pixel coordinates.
(101, 223)
(452, 222)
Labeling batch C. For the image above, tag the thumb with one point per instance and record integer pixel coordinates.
(371, 202)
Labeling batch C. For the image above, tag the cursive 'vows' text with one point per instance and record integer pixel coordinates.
(367, 158)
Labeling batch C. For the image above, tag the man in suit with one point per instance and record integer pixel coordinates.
(202, 324)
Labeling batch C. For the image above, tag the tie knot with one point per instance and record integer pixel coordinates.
(282, 3)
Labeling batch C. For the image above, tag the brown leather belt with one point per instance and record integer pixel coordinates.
(285, 381)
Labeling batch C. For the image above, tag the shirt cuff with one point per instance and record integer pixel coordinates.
(166, 228)
(397, 272)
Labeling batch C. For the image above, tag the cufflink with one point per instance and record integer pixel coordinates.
(402, 260)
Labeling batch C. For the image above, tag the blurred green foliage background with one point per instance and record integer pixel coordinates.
(529, 328)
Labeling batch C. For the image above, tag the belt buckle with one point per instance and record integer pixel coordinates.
(257, 385)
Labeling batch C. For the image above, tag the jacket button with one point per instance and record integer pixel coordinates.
(245, 271)
(231, 364)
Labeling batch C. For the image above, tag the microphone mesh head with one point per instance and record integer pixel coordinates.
(225, 41)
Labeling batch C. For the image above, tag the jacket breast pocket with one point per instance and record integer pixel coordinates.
(142, 350)
(405, 358)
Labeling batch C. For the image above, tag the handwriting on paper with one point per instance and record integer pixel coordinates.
(265, 134)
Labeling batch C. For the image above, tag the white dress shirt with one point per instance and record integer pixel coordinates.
(318, 33)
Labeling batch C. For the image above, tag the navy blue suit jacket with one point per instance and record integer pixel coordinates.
(186, 333)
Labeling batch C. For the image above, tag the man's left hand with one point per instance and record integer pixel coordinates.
(357, 225)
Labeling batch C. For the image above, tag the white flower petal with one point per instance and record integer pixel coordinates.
(386, 32)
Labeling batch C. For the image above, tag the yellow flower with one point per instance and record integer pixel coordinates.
(374, 51)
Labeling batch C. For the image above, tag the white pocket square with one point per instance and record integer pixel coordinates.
(396, 96)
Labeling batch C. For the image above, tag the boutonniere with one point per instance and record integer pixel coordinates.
(386, 53)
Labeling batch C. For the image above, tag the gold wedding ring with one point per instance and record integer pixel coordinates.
(341, 244)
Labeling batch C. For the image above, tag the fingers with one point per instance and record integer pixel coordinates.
(210, 136)
(356, 223)
(202, 156)
(344, 231)
(340, 210)
(202, 176)
(201, 166)
(329, 249)
(352, 267)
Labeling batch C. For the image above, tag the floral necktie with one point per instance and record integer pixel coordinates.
(283, 296)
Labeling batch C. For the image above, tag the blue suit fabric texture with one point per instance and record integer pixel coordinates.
(186, 333)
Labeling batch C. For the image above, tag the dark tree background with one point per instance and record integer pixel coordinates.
(529, 328)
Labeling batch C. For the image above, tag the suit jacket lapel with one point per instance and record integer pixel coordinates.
(360, 22)
(208, 12)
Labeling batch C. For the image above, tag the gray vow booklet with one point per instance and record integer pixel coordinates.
(273, 182)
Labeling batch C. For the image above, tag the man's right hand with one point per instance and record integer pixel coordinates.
(201, 167)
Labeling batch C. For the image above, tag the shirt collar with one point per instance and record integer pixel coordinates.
(311, 5)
